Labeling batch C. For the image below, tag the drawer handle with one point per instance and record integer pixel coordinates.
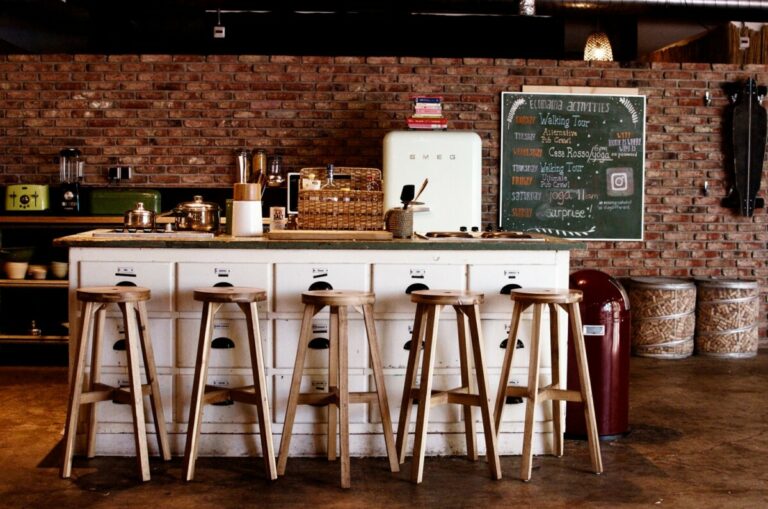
(226, 402)
(119, 345)
(223, 284)
(407, 345)
(518, 345)
(319, 344)
(508, 288)
(513, 400)
(320, 285)
(222, 343)
(416, 286)
(126, 283)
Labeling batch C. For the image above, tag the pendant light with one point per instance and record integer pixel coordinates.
(598, 47)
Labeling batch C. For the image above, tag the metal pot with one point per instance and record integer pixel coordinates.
(197, 215)
(139, 218)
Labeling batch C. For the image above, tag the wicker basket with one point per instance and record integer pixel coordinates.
(336, 209)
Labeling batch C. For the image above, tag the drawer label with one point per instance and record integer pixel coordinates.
(125, 272)
(221, 272)
(319, 272)
(511, 274)
(418, 273)
(319, 328)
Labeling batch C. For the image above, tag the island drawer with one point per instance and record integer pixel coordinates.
(229, 345)
(157, 276)
(293, 278)
(393, 283)
(495, 281)
(191, 275)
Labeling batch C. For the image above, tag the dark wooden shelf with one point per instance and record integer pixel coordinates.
(34, 283)
(27, 338)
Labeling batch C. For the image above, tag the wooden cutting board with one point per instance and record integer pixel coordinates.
(329, 235)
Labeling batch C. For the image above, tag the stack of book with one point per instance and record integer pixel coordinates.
(428, 113)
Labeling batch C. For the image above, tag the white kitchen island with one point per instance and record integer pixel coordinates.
(173, 268)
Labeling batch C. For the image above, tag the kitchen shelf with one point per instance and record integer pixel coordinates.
(28, 338)
(61, 220)
(34, 283)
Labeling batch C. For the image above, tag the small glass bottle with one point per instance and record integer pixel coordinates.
(372, 184)
(259, 167)
(275, 176)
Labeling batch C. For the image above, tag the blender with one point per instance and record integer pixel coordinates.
(70, 174)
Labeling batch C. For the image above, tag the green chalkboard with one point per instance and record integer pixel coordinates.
(572, 165)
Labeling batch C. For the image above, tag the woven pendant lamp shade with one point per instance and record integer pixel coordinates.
(598, 47)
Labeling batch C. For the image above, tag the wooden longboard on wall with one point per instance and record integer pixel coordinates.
(749, 136)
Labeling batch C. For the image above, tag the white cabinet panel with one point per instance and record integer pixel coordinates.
(395, 339)
(394, 283)
(202, 275)
(229, 346)
(157, 276)
(293, 278)
(495, 281)
(113, 347)
(315, 383)
(223, 412)
(395, 385)
(495, 334)
(108, 411)
(287, 340)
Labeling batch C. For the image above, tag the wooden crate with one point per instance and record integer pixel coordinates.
(350, 207)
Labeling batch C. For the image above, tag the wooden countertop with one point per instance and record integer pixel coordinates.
(87, 239)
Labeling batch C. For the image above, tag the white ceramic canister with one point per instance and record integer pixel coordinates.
(246, 219)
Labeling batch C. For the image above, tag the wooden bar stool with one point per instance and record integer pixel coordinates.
(569, 301)
(338, 396)
(213, 298)
(428, 306)
(131, 301)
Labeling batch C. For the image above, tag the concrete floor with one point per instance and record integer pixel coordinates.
(699, 439)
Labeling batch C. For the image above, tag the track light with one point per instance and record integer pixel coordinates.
(219, 31)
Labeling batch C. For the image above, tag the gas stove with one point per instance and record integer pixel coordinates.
(148, 234)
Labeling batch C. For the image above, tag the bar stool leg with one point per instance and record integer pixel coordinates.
(76, 389)
(333, 381)
(417, 336)
(466, 381)
(475, 331)
(198, 390)
(425, 395)
(293, 395)
(557, 404)
(136, 393)
(506, 366)
(586, 387)
(346, 481)
(381, 390)
(152, 379)
(532, 397)
(260, 387)
(94, 378)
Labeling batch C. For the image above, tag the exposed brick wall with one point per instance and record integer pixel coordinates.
(177, 118)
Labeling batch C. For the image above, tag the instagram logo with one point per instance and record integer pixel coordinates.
(619, 182)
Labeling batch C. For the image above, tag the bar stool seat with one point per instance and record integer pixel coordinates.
(131, 301)
(428, 306)
(567, 300)
(338, 397)
(213, 298)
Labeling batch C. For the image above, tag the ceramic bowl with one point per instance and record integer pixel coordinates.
(15, 270)
(59, 270)
(37, 271)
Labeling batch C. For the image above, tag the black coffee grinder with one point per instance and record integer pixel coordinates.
(71, 173)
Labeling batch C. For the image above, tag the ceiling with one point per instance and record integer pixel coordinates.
(457, 28)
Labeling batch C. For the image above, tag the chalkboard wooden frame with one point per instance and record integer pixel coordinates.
(573, 165)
